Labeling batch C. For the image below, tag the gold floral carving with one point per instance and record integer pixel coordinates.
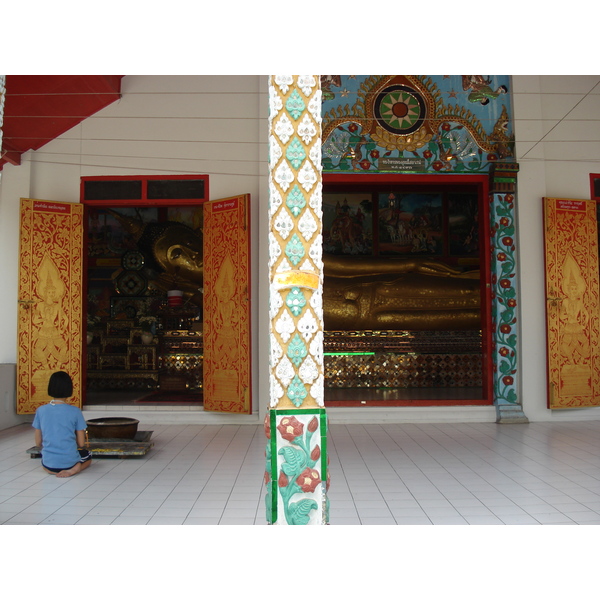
(573, 306)
(50, 299)
(226, 306)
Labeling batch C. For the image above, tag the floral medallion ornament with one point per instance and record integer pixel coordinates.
(297, 350)
(295, 153)
(297, 391)
(294, 249)
(295, 301)
(295, 201)
(295, 105)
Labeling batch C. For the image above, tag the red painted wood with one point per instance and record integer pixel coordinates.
(364, 181)
(39, 108)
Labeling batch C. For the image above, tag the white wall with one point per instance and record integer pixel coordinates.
(563, 112)
(217, 125)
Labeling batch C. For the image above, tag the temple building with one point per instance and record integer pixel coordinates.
(433, 242)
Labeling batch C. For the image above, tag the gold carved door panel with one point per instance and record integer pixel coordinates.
(572, 302)
(226, 365)
(50, 329)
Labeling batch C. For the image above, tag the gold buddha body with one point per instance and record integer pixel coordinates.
(358, 293)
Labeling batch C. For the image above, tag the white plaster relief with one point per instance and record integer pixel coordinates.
(275, 199)
(307, 176)
(307, 130)
(275, 152)
(276, 391)
(307, 225)
(315, 105)
(317, 391)
(284, 128)
(275, 302)
(274, 249)
(283, 223)
(308, 370)
(284, 326)
(307, 325)
(306, 83)
(285, 371)
(316, 252)
(283, 266)
(276, 351)
(316, 348)
(284, 82)
(284, 175)
(315, 155)
(316, 199)
(275, 103)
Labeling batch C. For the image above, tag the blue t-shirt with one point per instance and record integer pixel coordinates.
(58, 423)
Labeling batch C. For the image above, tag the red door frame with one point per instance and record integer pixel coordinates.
(127, 203)
(481, 184)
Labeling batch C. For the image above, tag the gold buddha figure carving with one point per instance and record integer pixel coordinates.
(375, 293)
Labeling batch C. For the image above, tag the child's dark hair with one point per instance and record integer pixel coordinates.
(60, 385)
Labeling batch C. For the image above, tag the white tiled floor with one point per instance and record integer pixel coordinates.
(415, 474)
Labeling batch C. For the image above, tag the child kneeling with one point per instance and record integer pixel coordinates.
(60, 430)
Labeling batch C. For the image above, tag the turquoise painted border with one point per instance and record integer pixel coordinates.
(504, 298)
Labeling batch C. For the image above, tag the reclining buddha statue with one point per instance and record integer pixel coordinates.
(371, 293)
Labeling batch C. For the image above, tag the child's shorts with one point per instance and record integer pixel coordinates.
(85, 455)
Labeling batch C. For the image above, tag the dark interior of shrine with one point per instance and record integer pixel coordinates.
(403, 327)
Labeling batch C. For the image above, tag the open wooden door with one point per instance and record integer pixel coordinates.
(50, 325)
(572, 302)
(226, 364)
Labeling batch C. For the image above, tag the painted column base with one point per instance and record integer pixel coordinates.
(296, 473)
(510, 413)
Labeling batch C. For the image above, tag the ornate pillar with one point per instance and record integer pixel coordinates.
(503, 179)
(296, 422)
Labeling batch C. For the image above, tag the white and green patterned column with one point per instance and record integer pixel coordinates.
(296, 422)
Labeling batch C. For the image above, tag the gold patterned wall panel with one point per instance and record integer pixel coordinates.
(50, 299)
(227, 305)
(572, 302)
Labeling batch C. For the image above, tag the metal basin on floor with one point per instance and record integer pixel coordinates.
(112, 428)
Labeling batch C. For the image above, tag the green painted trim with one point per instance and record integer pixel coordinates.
(274, 477)
(348, 353)
(297, 411)
(323, 425)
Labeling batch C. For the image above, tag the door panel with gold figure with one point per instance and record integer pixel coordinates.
(49, 335)
(226, 324)
(572, 302)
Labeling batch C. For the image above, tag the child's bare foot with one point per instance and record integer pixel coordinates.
(70, 472)
(74, 469)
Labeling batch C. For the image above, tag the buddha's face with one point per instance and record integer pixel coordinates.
(179, 252)
(185, 259)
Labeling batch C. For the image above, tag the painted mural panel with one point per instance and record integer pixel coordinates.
(572, 303)
(348, 223)
(415, 123)
(410, 223)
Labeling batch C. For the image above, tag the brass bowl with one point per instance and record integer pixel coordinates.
(112, 427)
